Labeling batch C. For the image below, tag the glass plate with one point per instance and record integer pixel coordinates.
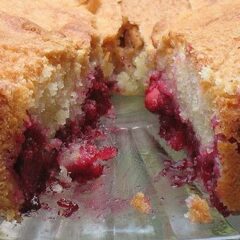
(104, 204)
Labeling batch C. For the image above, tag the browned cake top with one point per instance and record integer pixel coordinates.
(24, 48)
(108, 18)
(66, 17)
(214, 34)
(146, 14)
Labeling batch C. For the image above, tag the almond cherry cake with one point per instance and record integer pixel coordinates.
(62, 59)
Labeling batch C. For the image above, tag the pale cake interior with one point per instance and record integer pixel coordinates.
(185, 83)
(57, 96)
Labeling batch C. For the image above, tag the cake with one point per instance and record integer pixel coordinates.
(55, 60)
(62, 59)
(127, 41)
(46, 102)
(195, 91)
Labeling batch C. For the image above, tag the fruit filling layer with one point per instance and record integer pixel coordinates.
(73, 146)
(179, 134)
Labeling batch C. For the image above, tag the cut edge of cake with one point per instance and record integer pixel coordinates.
(197, 78)
(43, 77)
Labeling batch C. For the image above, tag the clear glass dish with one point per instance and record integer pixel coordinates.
(104, 204)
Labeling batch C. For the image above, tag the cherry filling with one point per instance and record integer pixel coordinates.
(82, 159)
(68, 206)
(97, 104)
(35, 164)
(40, 157)
(179, 134)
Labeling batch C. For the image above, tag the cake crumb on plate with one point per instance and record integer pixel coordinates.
(198, 210)
(141, 203)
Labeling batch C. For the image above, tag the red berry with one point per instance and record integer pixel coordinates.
(177, 141)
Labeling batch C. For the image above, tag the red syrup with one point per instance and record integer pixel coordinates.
(39, 157)
(35, 163)
(68, 206)
(84, 160)
(179, 134)
(97, 104)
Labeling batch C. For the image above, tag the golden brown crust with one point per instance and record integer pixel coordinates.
(204, 29)
(108, 19)
(209, 37)
(145, 15)
(66, 17)
(112, 14)
(140, 14)
(228, 187)
(8, 198)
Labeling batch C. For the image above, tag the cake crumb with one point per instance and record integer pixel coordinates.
(198, 210)
(141, 203)
(64, 175)
(57, 188)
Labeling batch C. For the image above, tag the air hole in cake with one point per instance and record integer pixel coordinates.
(72, 147)
(179, 134)
(124, 47)
(234, 140)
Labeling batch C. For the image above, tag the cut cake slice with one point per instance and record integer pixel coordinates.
(195, 91)
(43, 82)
